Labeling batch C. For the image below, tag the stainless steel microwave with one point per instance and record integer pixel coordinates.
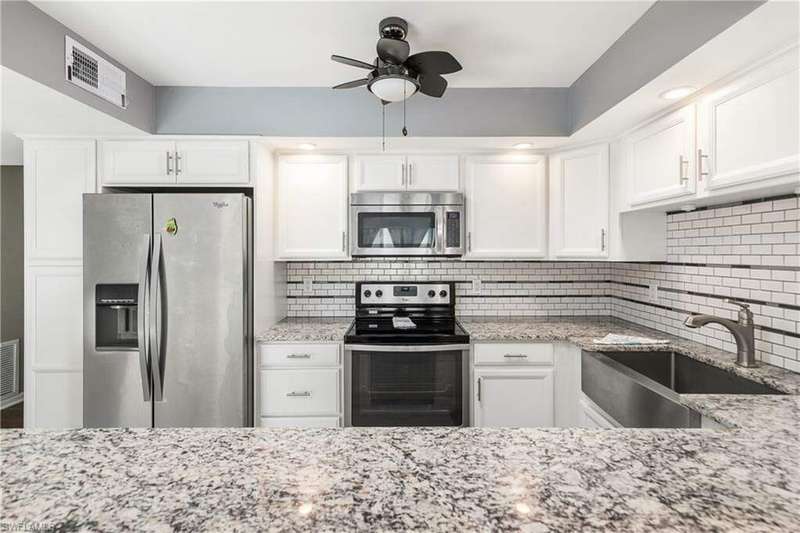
(407, 223)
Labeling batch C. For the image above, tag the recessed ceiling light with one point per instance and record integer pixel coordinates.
(306, 146)
(677, 93)
(523, 146)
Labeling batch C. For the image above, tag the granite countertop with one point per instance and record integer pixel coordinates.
(306, 330)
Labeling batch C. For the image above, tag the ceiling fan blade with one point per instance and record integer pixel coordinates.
(352, 62)
(432, 85)
(433, 63)
(394, 51)
(351, 84)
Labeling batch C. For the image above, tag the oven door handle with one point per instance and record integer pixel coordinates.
(405, 348)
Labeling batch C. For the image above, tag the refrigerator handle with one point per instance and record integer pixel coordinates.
(142, 320)
(156, 320)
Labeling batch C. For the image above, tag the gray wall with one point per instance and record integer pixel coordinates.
(322, 112)
(665, 34)
(11, 257)
(32, 44)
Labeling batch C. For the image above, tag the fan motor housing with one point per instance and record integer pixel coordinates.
(393, 28)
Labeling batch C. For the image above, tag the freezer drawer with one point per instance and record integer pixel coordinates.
(299, 392)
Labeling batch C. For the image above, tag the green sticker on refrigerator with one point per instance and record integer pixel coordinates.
(171, 227)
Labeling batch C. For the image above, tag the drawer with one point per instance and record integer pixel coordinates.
(513, 354)
(292, 355)
(299, 422)
(299, 392)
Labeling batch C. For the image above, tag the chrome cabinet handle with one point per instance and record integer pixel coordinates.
(603, 240)
(344, 241)
(299, 356)
(410, 173)
(404, 174)
(479, 389)
(683, 167)
(299, 394)
(169, 163)
(700, 157)
(515, 356)
(178, 163)
(156, 322)
(142, 319)
(469, 241)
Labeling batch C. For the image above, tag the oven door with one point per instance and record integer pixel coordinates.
(407, 385)
(396, 230)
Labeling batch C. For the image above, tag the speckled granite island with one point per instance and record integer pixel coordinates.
(746, 478)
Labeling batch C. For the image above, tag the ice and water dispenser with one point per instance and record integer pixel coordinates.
(116, 317)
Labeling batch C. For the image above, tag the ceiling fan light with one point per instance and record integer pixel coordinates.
(393, 88)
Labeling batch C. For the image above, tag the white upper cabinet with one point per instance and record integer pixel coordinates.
(661, 158)
(432, 173)
(57, 173)
(506, 207)
(514, 398)
(137, 162)
(400, 173)
(168, 162)
(212, 162)
(311, 203)
(579, 197)
(380, 173)
(749, 129)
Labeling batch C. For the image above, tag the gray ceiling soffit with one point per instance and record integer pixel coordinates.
(322, 112)
(33, 45)
(665, 34)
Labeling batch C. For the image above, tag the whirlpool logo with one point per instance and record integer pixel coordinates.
(219, 205)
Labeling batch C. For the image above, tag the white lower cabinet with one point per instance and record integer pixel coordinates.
(299, 385)
(513, 385)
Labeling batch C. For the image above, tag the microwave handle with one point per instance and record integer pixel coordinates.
(441, 225)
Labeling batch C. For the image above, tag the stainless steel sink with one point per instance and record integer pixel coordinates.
(641, 389)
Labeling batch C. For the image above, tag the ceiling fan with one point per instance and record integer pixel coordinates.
(395, 75)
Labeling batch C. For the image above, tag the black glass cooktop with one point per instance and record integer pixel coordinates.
(426, 330)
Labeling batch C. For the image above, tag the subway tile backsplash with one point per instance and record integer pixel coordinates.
(748, 252)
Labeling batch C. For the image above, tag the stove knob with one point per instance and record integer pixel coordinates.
(443, 293)
(367, 293)
(431, 293)
(379, 293)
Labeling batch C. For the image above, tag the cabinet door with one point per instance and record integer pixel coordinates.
(137, 162)
(57, 173)
(579, 203)
(506, 207)
(514, 398)
(749, 130)
(212, 162)
(380, 173)
(661, 158)
(432, 173)
(312, 207)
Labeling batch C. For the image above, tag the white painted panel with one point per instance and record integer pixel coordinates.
(58, 402)
(379, 172)
(300, 422)
(432, 173)
(299, 392)
(510, 353)
(514, 398)
(212, 162)
(137, 162)
(312, 207)
(567, 385)
(53, 317)
(506, 207)
(579, 203)
(302, 355)
(57, 173)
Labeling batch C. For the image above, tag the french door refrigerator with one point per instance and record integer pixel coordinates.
(167, 311)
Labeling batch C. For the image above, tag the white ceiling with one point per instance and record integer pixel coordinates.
(28, 107)
(499, 44)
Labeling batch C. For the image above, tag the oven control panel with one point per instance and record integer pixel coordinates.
(404, 293)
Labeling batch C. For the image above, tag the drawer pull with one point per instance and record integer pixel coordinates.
(299, 394)
(299, 356)
(515, 356)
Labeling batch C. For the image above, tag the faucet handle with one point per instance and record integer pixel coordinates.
(737, 302)
(745, 314)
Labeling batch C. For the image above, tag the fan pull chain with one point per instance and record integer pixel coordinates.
(405, 131)
(383, 127)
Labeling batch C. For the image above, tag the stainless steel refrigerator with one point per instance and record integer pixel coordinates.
(167, 311)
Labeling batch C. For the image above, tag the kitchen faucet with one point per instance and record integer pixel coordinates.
(742, 331)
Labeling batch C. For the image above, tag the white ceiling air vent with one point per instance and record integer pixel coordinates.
(89, 71)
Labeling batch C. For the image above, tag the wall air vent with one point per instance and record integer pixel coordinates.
(89, 71)
(9, 373)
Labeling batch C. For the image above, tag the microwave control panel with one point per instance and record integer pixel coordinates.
(453, 229)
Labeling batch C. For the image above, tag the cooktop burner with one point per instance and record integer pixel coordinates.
(405, 313)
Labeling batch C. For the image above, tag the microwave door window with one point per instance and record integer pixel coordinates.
(396, 230)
